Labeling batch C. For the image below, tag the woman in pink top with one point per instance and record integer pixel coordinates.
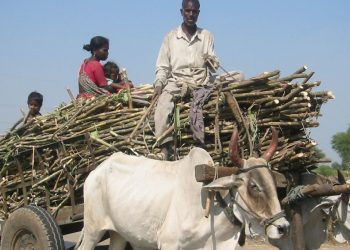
(92, 81)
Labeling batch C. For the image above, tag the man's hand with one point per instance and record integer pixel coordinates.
(212, 62)
(157, 91)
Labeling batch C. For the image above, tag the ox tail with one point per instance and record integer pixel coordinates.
(77, 245)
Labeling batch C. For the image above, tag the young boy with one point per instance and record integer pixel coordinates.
(35, 101)
(113, 76)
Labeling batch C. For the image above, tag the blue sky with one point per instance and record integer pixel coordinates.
(41, 45)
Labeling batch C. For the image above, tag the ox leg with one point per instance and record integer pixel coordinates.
(90, 240)
(116, 241)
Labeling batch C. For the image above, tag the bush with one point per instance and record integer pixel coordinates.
(326, 171)
(329, 171)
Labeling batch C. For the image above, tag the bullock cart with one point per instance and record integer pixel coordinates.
(44, 163)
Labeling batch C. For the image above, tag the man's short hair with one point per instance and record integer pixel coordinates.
(35, 96)
(184, 2)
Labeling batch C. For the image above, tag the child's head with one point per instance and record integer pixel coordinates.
(111, 71)
(35, 101)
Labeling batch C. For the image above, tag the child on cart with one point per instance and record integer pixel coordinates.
(115, 79)
(34, 101)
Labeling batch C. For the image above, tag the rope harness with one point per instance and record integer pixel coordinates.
(295, 194)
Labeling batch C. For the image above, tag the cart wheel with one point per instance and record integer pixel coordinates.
(31, 228)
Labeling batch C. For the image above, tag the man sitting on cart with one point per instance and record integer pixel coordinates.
(182, 64)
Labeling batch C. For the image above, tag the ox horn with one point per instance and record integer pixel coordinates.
(273, 145)
(234, 149)
(341, 178)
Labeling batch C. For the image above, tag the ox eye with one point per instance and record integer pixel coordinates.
(254, 187)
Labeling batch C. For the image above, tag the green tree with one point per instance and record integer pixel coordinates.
(336, 165)
(319, 153)
(341, 144)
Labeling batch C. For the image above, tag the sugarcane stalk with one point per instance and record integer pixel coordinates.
(150, 108)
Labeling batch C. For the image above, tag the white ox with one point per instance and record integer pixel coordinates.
(316, 215)
(341, 218)
(159, 205)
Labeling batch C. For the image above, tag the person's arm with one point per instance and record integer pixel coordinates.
(163, 66)
(16, 124)
(211, 51)
(101, 80)
(211, 58)
(121, 85)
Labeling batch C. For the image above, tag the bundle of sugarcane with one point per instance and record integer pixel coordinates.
(45, 159)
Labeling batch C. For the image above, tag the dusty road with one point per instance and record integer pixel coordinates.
(250, 245)
(260, 245)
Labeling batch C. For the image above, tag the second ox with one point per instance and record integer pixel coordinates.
(159, 205)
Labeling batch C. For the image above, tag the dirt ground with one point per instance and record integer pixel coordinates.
(261, 245)
(250, 244)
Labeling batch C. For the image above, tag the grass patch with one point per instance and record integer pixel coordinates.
(329, 171)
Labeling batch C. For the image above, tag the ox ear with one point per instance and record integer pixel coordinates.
(325, 205)
(341, 178)
(225, 183)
